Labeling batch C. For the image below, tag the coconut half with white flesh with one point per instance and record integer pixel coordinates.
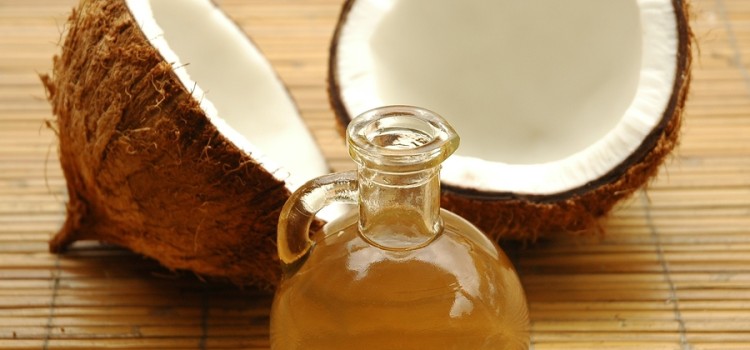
(177, 139)
(564, 107)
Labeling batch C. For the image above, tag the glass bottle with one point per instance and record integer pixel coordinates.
(399, 272)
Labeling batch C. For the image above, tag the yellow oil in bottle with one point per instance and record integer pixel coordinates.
(459, 291)
(399, 273)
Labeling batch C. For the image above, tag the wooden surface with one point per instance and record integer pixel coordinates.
(673, 272)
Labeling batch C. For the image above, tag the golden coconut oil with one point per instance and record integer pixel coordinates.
(399, 272)
(457, 292)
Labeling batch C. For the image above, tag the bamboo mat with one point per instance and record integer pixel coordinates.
(673, 272)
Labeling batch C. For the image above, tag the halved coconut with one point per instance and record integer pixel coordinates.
(173, 131)
(564, 107)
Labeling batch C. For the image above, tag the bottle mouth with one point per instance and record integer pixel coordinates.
(400, 138)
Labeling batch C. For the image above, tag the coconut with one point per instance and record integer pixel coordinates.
(564, 108)
(173, 130)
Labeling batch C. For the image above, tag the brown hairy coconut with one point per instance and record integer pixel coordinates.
(151, 127)
(564, 107)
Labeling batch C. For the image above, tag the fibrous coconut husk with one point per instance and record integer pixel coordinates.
(145, 168)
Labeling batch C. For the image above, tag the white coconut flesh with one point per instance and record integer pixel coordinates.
(236, 86)
(547, 95)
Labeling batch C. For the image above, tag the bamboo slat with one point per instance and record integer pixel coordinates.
(671, 272)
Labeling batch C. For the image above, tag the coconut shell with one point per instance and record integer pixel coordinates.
(527, 217)
(145, 168)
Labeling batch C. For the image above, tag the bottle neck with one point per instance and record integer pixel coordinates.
(399, 210)
(399, 150)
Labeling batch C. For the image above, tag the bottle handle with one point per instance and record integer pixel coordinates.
(298, 213)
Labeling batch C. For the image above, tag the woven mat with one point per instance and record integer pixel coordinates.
(673, 272)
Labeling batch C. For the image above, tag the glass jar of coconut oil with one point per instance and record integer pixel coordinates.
(398, 272)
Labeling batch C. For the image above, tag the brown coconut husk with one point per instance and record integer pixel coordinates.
(580, 210)
(145, 168)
